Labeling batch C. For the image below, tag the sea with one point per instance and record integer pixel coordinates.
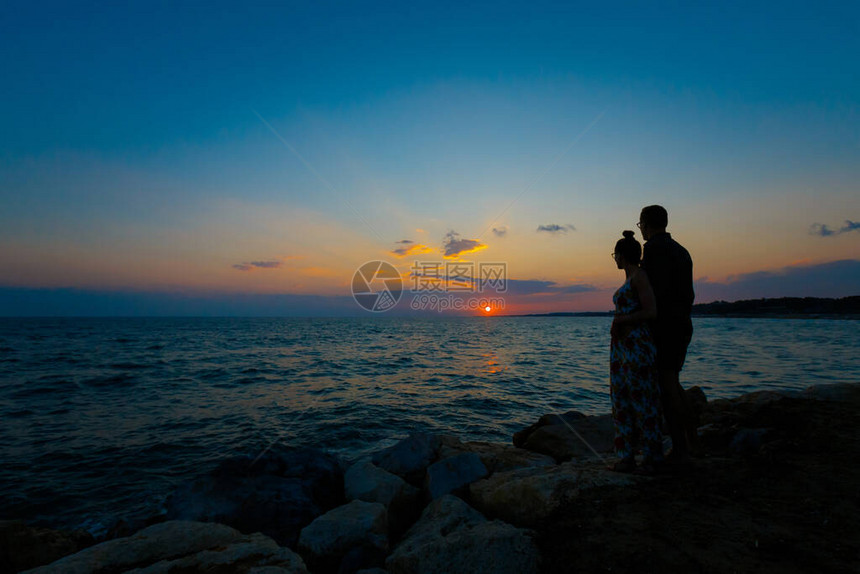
(103, 417)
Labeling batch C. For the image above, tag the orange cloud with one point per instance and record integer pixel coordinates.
(409, 247)
(454, 246)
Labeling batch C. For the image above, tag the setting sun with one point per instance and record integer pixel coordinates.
(487, 309)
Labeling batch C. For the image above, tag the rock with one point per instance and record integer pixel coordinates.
(410, 457)
(716, 438)
(252, 551)
(23, 546)
(748, 442)
(831, 392)
(526, 496)
(569, 417)
(741, 411)
(278, 495)
(697, 400)
(496, 457)
(557, 441)
(366, 481)
(562, 443)
(454, 473)
(179, 546)
(452, 537)
(552, 435)
(123, 526)
(359, 528)
(758, 398)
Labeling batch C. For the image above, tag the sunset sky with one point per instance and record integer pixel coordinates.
(224, 160)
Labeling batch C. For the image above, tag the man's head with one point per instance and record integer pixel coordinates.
(653, 220)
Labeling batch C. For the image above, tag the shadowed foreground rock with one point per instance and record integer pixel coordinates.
(358, 529)
(454, 473)
(366, 481)
(23, 546)
(180, 546)
(277, 495)
(496, 457)
(775, 491)
(556, 436)
(452, 537)
(526, 496)
(784, 500)
(410, 457)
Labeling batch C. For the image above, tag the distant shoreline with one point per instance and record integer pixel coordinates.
(851, 317)
(778, 308)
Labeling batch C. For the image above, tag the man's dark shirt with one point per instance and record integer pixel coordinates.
(670, 271)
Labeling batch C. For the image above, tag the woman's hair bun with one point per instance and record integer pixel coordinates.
(628, 234)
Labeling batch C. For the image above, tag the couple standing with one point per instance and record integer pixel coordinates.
(650, 334)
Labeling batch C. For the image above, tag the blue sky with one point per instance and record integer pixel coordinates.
(135, 159)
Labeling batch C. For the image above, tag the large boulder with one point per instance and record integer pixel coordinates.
(496, 457)
(180, 546)
(454, 473)
(568, 436)
(524, 497)
(452, 537)
(357, 531)
(410, 457)
(366, 481)
(278, 494)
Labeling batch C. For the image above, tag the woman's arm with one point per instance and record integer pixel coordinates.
(646, 299)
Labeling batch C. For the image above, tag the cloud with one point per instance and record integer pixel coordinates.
(833, 279)
(514, 286)
(250, 266)
(578, 288)
(822, 230)
(266, 264)
(453, 246)
(500, 231)
(537, 286)
(556, 228)
(410, 248)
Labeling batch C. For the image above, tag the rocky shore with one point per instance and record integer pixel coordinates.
(774, 490)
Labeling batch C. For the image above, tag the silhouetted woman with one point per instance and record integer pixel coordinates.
(632, 364)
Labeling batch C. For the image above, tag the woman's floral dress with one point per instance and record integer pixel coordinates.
(633, 384)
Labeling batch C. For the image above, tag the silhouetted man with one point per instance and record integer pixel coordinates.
(670, 270)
